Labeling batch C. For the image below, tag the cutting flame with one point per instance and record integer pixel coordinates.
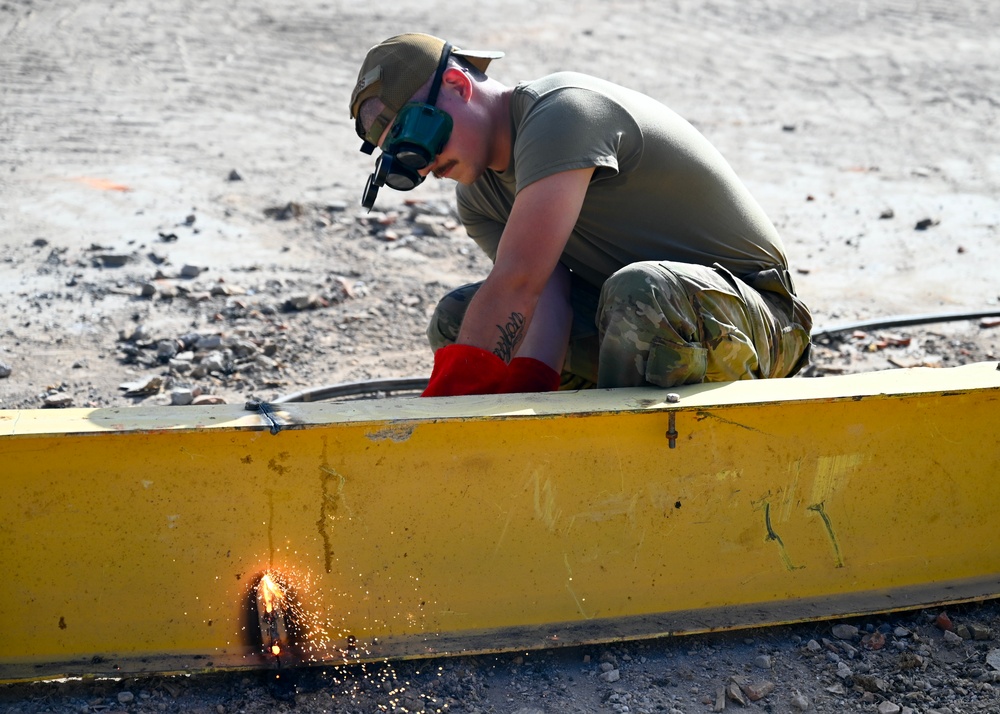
(270, 593)
(272, 607)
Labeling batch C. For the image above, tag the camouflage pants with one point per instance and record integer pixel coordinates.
(666, 323)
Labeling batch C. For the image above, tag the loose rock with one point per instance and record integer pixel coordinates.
(612, 675)
(756, 691)
(800, 702)
(845, 632)
(57, 401)
(142, 387)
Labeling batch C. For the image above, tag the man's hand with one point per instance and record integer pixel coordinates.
(526, 374)
(464, 369)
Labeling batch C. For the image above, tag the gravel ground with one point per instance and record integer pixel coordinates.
(923, 661)
(180, 224)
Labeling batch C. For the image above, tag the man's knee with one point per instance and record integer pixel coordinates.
(649, 329)
(446, 321)
(651, 298)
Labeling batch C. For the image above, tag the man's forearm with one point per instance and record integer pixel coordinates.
(540, 331)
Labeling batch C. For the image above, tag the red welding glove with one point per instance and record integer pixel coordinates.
(464, 369)
(526, 374)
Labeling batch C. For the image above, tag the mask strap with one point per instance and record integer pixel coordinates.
(439, 74)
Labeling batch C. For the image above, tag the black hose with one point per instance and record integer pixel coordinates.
(417, 384)
(882, 323)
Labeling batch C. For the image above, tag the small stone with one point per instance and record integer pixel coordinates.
(412, 704)
(606, 666)
(901, 632)
(113, 260)
(284, 213)
(763, 661)
(191, 271)
(207, 342)
(845, 632)
(873, 641)
(889, 708)
(205, 399)
(168, 291)
(951, 638)
(964, 632)
(5, 370)
(143, 387)
(814, 646)
(181, 397)
(993, 659)
(125, 697)
(756, 691)
(234, 176)
(979, 632)
(57, 401)
(837, 689)
(870, 683)
(214, 362)
(611, 676)
(800, 703)
(296, 303)
(843, 671)
(943, 622)
(735, 694)
(167, 349)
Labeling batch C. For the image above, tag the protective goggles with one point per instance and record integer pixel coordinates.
(417, 135)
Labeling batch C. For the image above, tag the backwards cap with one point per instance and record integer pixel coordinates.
(395, 69)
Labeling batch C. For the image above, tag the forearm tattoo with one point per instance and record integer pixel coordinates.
(511, 335)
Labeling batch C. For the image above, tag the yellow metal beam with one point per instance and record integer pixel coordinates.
(134, 540)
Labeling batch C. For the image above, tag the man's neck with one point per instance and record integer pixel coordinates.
(501, 130)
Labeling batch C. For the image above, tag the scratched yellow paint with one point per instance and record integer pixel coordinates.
(132, 539)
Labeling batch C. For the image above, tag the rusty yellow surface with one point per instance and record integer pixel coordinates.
(131, 540)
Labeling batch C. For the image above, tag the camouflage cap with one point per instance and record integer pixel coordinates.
(395, 69)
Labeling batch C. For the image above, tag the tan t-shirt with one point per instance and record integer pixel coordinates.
(660, 190)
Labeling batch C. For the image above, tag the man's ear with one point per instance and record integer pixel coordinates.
(459, 82)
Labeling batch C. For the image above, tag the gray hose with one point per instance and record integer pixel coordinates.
(367, 388)
(375, 387)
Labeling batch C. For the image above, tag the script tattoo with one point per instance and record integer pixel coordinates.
(510, 336)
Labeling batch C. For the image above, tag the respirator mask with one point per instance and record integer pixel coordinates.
(417, 135)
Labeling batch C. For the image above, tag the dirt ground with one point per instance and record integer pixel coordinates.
(180, 221)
